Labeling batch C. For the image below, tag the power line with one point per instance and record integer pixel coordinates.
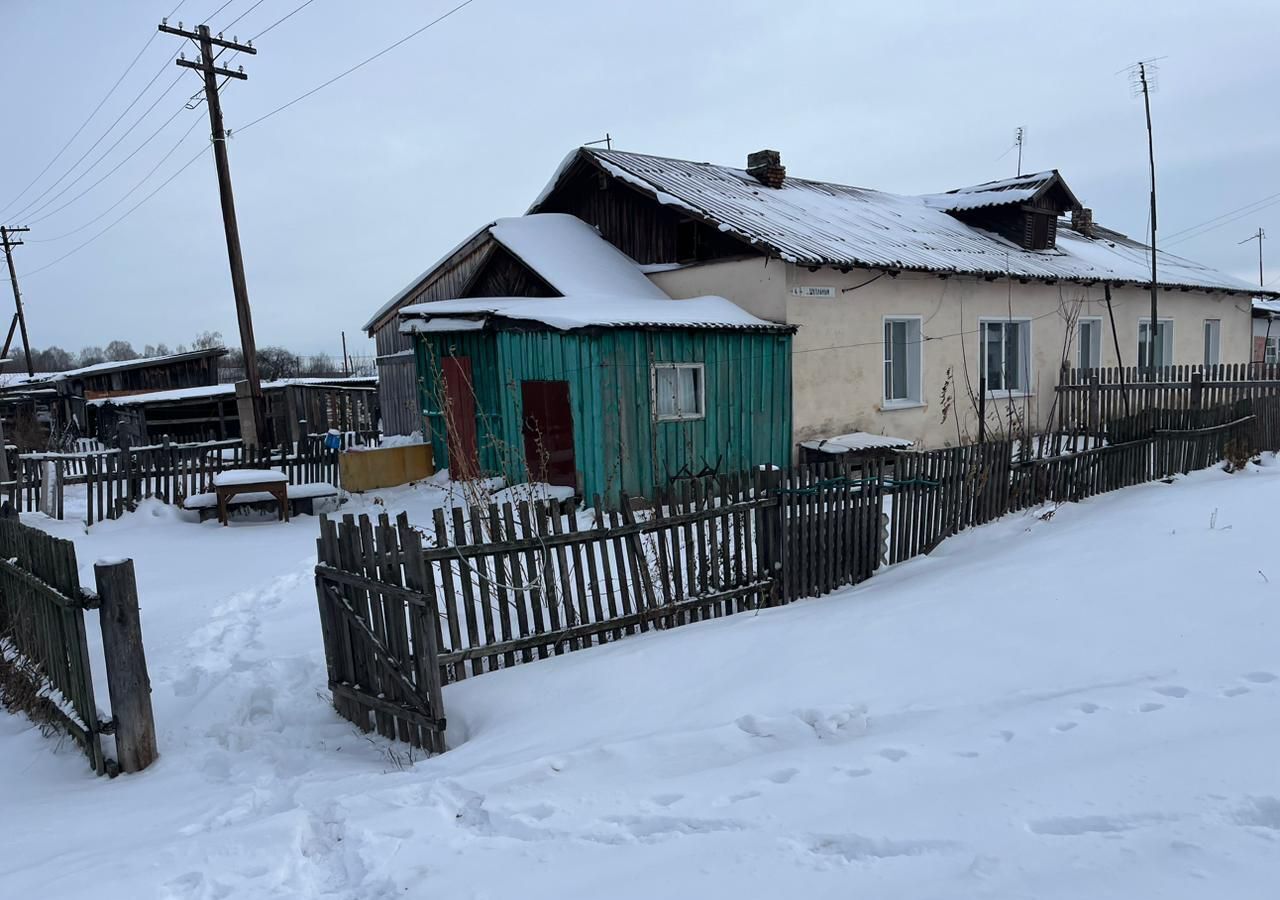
(205, 20)
(104, 155)
(127, 193)
(159, 188)
(95, 144)
(85, 123)
(358, 65)
(283, 19)
(241, 16)
(192, 160)
(1226, 218)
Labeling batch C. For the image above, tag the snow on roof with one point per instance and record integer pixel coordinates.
(992, 193)
(857, 440)
(1268, 307)
(139, 363)
(412, 285)
(819, 223)
(586, 311)
(222, 390)
(572, 257)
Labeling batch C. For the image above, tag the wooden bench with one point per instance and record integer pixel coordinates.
(234, 482)
(301, 499)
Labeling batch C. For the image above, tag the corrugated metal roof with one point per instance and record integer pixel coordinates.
(993, 193)
(585, 311)
(819, 223)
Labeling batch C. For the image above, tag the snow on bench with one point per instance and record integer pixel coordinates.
(306, 492)
(248, 476)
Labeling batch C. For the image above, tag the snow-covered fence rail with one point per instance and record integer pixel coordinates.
(45, 667)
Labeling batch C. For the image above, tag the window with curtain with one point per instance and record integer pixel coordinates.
(902, 361)
(678, 391)
(1090, 343)
(1006, 355)
(1212, 341)
(1163, 343)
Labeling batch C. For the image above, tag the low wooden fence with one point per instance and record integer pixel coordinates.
(406, 611)
(1088, 399)
(45, 668)
(116, 480)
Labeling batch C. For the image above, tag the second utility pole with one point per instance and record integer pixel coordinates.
(207, 66)
(6, 237)
(1152, 332)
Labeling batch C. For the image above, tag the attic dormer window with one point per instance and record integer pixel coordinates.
(1039, 229)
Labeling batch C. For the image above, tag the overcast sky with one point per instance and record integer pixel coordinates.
(346, 196)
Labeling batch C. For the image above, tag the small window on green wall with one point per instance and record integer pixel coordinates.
(677, 391)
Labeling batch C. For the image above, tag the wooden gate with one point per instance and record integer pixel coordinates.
(380, 647)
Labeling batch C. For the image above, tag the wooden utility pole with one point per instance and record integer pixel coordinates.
(1151, 157)
(206, 64)
(20, 320)
(346, 360)
(1259, 237)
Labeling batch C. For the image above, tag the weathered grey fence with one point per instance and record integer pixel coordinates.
(116, 480)
(404, 612)
(45, 668)
(1088, 399)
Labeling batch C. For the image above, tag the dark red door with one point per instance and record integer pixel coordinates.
(548, 432)
(460, 417)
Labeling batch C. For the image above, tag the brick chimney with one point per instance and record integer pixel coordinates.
(1082, 221)
(765, 166)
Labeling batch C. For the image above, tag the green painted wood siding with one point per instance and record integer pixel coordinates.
(618, 444)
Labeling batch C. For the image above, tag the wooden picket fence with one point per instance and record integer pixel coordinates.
(45, 668)
(1087, 400)
(405, 611)
(117, 480)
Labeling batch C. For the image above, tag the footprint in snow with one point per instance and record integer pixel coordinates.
(1088, 708)
(1065, 726)
(1005, 736)
(1150, 707)
(1171, 690)
(1235, 691)
(1261, 677)
(782, 776)
(967, 754)
(894, 754)
(665, 800)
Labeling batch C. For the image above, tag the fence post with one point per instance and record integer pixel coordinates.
(1197, 390)
(769, 532)
(127, 679)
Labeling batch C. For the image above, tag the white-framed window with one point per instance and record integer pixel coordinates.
(678, 391)
(1089, 341)
(1212, 341)
(1271, 355)
(1006, 355)
(1163, 343)
(902, 369)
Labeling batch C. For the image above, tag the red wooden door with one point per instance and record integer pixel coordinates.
(460, 417)
(548, 432)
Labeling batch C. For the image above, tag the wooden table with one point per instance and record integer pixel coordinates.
(251, 481)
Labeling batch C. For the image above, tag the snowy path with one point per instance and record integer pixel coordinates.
(1083, 705)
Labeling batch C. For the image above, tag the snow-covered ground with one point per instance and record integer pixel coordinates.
(1077, 705)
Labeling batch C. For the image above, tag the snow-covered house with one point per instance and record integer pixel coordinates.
(907, 305)
(563, 363)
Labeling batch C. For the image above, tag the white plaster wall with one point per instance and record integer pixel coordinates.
(839, 361)
(757, 284)
(838, 353)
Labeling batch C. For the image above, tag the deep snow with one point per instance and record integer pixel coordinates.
(1076, 705)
